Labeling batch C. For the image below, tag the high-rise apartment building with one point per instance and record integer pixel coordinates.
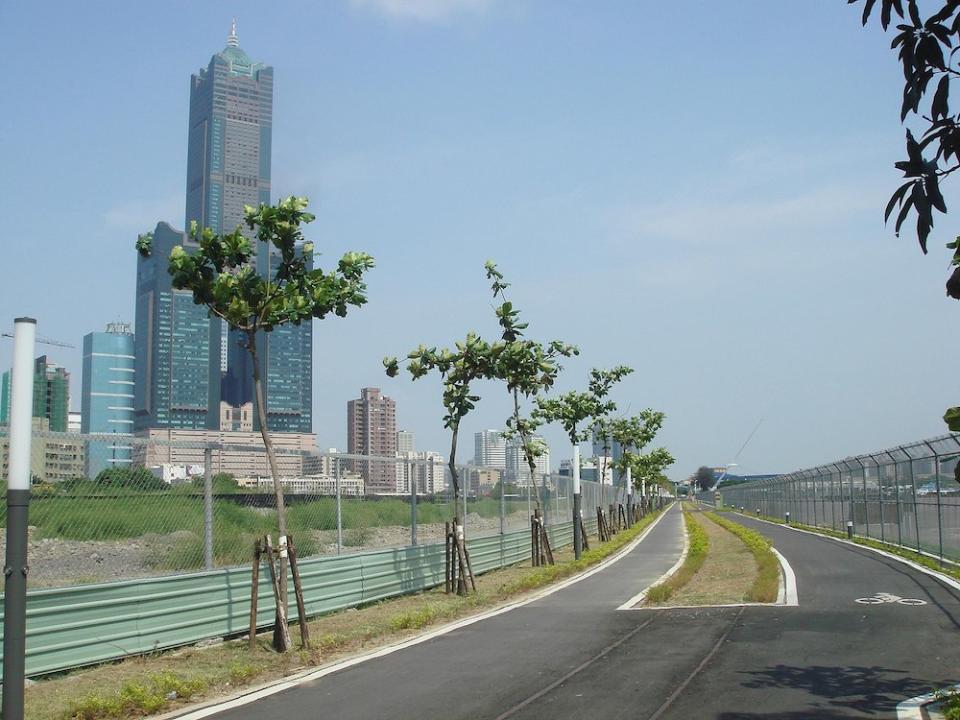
(372, 430)
(172, 379)
(51, 394)
(228, 166)
(107, 396)
(517, 469)
(405, 442)
(490, 449)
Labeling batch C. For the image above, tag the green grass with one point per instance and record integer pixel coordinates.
(696, 554)
(123, 515)
(136, 697)
(766, 586)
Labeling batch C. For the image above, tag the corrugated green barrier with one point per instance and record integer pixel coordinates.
(76, 626)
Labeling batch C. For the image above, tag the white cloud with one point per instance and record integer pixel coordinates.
(423, 10)
(141, 215)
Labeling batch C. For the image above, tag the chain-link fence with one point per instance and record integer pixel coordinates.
(109, 507)
(907, 495)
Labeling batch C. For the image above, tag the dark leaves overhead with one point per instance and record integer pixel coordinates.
(926, 48)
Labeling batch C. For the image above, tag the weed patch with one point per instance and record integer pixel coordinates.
(766, 586)
(696, 554)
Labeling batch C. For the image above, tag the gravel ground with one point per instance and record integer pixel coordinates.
(59, 563)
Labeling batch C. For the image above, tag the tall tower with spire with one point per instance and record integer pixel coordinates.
(228, 167)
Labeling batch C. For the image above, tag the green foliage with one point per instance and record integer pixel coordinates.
(575, 408)
(222, 276)
(927, 52)
(649, 468)
(125, 477)
(223, 484)
(527, 367)
(704, 478)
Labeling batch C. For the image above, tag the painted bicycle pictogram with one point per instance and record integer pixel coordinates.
(886, 598)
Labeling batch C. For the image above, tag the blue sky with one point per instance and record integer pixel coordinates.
(693, 189)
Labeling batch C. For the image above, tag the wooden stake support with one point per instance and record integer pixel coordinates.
(583, 534)
(254, 592)
(281, 631)
(298, 591)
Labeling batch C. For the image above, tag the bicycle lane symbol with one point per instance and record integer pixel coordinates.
(886, 598)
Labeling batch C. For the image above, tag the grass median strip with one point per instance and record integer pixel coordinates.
(699, 546)
(766, 584)
(164, 681)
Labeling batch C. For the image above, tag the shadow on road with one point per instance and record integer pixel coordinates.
(866, 690)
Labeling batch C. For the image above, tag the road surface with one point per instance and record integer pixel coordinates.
(572, 654)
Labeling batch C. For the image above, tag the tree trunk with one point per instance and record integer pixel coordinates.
(531, 461)
(271, 459)
(460, 555)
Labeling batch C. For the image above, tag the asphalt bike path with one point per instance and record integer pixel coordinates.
(493, 666)
(830, 657)
(572, 654)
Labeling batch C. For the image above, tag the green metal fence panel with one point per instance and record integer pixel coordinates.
(83, 625)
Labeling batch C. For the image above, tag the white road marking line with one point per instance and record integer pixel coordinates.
(910, 709)
(946, 579)
(789, 587)
(641, 596)
(311, 675)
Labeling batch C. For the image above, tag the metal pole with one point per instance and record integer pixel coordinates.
(208, 508)
(577, 512)
(336, 482)
(936, 465)
(18, 504)
(503, 506)
(411, 474)
(916, 510)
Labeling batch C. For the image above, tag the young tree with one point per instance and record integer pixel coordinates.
(704, 478)
(221, 274)
(473, 359)
(528, 368)
(927, 49)
(634, 434)
(647, 470)
(574, 410)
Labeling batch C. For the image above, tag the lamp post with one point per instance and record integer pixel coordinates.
(18, 502)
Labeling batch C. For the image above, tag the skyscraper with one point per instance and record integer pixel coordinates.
(228, 166)
(172, 344)
(517, 469)
(51, 394)
(107, 395)
(489, 449)
(190, 372)
(372, 430)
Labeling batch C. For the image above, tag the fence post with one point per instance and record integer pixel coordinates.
(503, 506)
(208, 508)
(896, 482)
(936, 466)
(411, 475)
(916, 510)
(336, 482)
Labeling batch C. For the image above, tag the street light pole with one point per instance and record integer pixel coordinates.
(18, 502)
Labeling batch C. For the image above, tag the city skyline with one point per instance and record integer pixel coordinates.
(417, 144)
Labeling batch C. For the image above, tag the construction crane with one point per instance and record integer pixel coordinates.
(43, 340)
